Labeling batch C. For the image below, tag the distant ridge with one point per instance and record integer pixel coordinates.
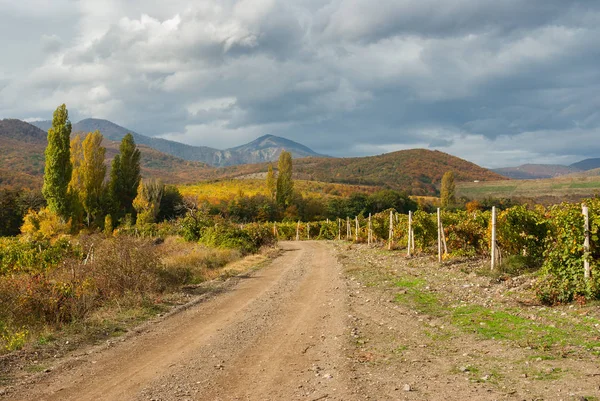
(416, 171)
(22, 158)
(541, 171)
(536, 171)
(587, 164)
(264, 149)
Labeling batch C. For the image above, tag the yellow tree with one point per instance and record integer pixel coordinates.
(448, 189)
(147, 201)
(58, 168)
(271, 182)
(76, 183)
(285, 183)
(89, 170)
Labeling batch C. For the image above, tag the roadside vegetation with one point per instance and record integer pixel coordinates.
(96, 254)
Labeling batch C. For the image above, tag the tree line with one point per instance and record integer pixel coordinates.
(78, 192)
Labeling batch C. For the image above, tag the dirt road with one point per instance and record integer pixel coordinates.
(278, 334)
(346, 322)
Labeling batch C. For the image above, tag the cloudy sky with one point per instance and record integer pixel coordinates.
(496, 82)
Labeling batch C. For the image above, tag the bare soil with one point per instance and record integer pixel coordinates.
(329, 322)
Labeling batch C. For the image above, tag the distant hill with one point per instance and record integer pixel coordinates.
(536, 171)
(269, 147)
(587, 164)
(416, 171)
(22, 158)
(22, 155)
(264, 149)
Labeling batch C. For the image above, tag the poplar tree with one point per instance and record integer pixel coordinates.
(147, 201)
(285, 184)
(125, 176)
(448, 189)
(58, 168)
(76, 183)
(271, 182)
(93, 172)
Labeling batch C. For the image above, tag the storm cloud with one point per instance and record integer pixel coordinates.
(498, 83)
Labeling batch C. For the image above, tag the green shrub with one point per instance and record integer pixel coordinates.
(562, 272)
(20, 255)
(521, 231)
(226, 235)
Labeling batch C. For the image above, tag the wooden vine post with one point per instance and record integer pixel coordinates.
(357, 227)
(586, 243)
(409, 233)
(348, 229)
(443, 235)
(298, 231)
(439, 227)
(493, 244)
(339, 229)
(391, 233)
(369, 232)
(308, 230)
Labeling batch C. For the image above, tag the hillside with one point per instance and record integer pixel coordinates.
(536, 171)
(416, 171)
(264, 149)
(22, 158)
(215, 192)
(571, 188)
(587, 164)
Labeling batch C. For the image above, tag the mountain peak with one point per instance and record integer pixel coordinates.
(266, 148)
(270, 146)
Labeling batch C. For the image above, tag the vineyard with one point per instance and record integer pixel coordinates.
(550, 241)
(49, 278)
(214, 192)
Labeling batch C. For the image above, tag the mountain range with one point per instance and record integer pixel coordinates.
(264, 149)
(417, 171)
(539, 171)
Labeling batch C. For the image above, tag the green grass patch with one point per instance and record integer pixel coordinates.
(502, 325)
(576, 185)
(410, 283)
(417, 298)
(550, 374)
(543, 357)
(36, 368)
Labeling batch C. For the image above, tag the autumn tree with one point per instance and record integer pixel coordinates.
(147, 201)
(125, 176)
(448, 189)
(88, 174)
(285, 183)
(58, 168)
(271, 182)
(76, 183)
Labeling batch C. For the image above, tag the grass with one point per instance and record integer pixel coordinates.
(502, 325)
(417, 297)
(559, 187)
(550, 332)
(36, 368)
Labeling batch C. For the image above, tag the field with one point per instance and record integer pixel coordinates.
(216, 191)
(570, 187)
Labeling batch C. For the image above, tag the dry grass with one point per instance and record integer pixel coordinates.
(125, 280)
(196, 262)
